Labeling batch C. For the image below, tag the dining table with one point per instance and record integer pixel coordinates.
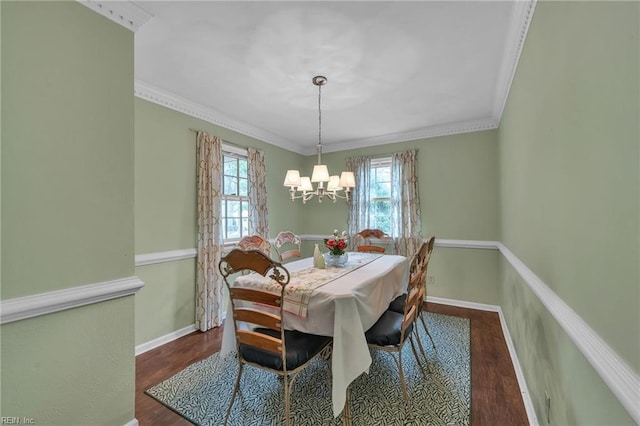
(338, 302)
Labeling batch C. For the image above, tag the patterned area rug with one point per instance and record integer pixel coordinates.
(202, 391)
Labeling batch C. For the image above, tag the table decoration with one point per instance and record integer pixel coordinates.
(337, 244)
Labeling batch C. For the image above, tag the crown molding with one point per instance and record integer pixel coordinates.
(520, 21)
(126, 13)
(425, 133)
(172, 101)
(175, 102)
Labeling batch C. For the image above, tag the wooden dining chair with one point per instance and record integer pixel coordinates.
(393, 330)
(287, 245)
(266, 344)
(255, 242)
(362, 241)
(422, 258)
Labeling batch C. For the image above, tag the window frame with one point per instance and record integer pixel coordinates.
(376, 163)
(238, 153)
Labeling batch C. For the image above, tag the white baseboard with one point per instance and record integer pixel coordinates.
(132, 422)
(152, 344)
(524, 390)
(463, 304)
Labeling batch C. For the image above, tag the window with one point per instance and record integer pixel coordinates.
(234, 211)
(380, 194)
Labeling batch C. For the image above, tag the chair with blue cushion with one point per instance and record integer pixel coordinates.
(393, 329)
(261, 339)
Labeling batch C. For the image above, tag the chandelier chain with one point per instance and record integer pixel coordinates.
(319, 116)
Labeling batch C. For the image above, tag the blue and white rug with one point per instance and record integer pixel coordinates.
(202, 391)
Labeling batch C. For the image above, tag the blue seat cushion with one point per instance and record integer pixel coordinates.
(387, 330)
(301, 347)
(397, 304)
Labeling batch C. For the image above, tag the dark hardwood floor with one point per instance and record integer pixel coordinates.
(495, 394)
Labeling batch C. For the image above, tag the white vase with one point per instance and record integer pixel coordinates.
(316, 256)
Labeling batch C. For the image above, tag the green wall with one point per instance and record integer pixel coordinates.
(67, 211)
(458, 191)
(458, 177)
(569, 194)
(165, 210)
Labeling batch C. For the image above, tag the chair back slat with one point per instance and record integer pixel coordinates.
(362, 244)
(238, 260)
(289, 254)
(257, 317)
(255, 295)
(259, 340)
(370, 249)
(372, 233)
(409, 317)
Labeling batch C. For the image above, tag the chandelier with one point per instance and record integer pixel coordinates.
(320, 174)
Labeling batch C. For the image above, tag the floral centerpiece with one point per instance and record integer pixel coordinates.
(337, 245)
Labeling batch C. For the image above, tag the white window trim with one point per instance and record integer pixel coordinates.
(242, 152)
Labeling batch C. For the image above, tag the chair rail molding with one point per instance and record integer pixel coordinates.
(623, 382)
(165, 256)
(35, 305)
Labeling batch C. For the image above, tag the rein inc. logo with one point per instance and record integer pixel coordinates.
(15, 420)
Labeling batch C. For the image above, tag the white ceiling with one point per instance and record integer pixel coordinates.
(396, 71)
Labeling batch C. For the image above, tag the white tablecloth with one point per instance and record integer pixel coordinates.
(345, 308)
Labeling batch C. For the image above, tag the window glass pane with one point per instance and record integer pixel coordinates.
(244, 187)
(230, 166)
(242, 167)
(384, 174)
(380, 215)
(245, 226)
(233, 228)
(233, 208)
(380, 182)
(230, 185)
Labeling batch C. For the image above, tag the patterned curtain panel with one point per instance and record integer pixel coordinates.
(209, 285)
(257, 172)
(405, 204)
(359, 203)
